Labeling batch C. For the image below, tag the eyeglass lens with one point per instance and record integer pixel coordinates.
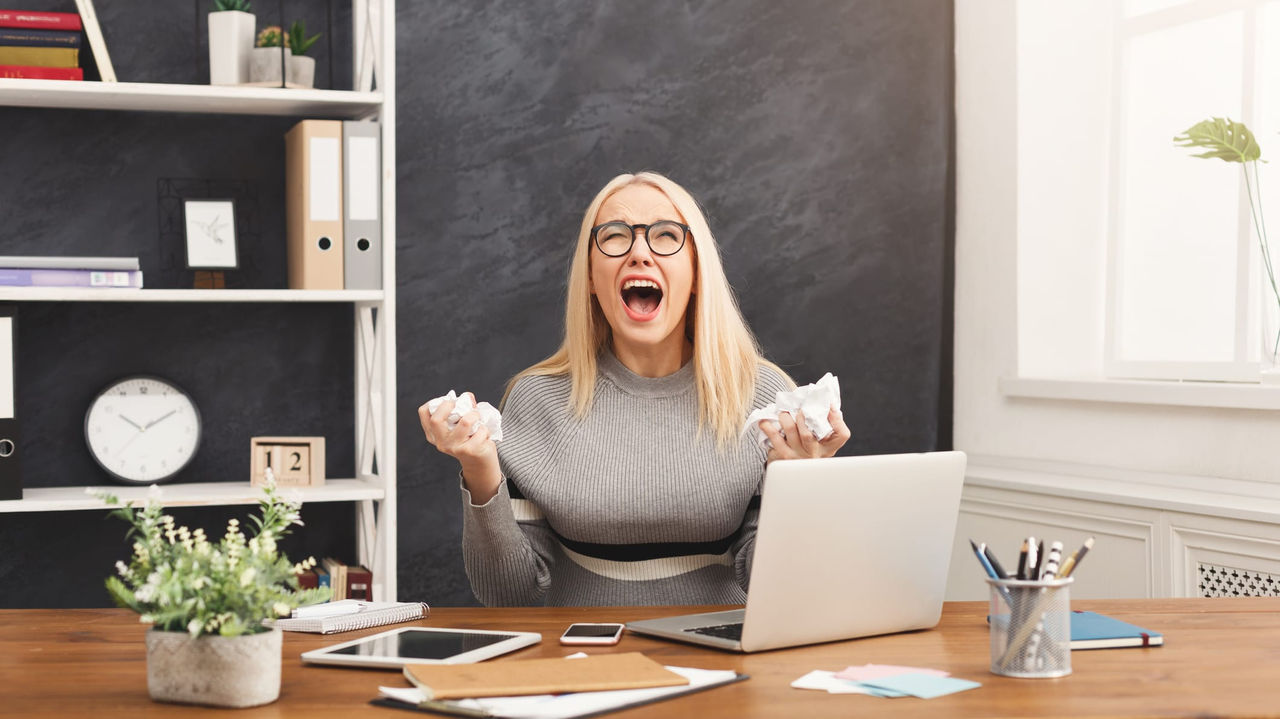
(665, 238)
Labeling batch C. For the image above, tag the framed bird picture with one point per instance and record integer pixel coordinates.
(211, 234)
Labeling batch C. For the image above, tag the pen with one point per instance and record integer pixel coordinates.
(1022, 561)
(1040, 557)
(982, 559)
(1051, 564)
(995, 563)
(1033, 560)
(1069, 566)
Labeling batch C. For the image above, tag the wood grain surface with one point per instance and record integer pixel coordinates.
(1221, 658)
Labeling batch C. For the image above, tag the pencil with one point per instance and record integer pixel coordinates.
(1069, 566)
(1022, 560)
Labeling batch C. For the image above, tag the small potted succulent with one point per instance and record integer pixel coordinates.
(207, 601)
(302, 69)
(266, 61)
(231, 26)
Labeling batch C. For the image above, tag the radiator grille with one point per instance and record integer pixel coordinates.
(1220, 581)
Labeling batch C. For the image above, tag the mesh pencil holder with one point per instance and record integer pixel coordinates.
(1030, 627)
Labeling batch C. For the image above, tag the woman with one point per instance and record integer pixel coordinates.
(623, 477)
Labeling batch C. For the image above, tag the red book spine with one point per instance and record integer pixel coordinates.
(46, 20)
(359, 583)
(307, 580)
(42, 73)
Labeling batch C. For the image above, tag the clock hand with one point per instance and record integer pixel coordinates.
(157, 419)
(125, 446)
(135, 424)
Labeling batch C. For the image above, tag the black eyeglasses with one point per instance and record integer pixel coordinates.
(664, 237)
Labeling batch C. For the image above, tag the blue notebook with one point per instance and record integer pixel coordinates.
(1090, 630)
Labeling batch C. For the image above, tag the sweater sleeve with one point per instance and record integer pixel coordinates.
(507, 558)
(769, 382)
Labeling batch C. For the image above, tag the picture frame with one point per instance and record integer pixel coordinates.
(209, 226)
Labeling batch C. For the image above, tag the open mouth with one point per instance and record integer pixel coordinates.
(641, 298)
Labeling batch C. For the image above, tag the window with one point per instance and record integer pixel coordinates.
(1136, 259)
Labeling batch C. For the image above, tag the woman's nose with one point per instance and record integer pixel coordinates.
(640, 253)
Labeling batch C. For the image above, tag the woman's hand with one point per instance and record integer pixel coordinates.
(477, 453)
(799, 442)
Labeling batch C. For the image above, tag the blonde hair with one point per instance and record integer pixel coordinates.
(726, 356)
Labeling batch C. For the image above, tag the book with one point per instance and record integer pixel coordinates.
(46, 20)
(40, 56)
(307, 580)
(349, 614)
(70, 263)
(38, 38)
(337, 577)
(561, 706)
(1090, 630)
(31, 72)
(322, 576)
(555, 675)
(25, 277)
(359, 583)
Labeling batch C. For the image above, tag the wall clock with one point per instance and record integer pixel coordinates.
(142, 429)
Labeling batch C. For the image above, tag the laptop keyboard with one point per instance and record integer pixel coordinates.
(724, 631)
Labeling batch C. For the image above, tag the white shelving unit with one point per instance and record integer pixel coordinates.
(373, 311)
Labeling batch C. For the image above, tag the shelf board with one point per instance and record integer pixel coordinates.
(165, 97)
(210, 494)
(90, 294)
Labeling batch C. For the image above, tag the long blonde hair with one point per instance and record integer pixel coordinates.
(725, 353)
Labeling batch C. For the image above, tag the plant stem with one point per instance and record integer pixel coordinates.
(1260, 225)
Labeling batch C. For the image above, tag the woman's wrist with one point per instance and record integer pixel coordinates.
(482, 479)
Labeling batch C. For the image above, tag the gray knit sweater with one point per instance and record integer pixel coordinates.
(629, 505)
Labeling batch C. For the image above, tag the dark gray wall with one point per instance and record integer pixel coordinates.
(816, 135)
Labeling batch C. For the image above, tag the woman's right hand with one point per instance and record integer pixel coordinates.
(477, 453)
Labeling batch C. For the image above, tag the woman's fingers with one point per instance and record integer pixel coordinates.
(809, 446)
(839, 433)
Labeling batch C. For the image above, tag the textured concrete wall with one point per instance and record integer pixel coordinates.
(815, 134)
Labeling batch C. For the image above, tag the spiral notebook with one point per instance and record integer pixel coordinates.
(348, 614)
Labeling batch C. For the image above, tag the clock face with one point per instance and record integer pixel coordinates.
(142, 430)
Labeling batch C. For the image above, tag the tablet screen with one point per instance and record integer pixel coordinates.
(421, 644)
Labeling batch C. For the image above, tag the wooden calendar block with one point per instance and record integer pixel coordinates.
(295, 461)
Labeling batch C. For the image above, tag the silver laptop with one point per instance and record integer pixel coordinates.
(846, 547)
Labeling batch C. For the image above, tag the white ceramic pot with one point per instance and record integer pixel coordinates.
(264, 63)
(230, 40)
(241, 671)
(302, 70)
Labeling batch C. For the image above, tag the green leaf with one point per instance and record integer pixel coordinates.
(1222, 138)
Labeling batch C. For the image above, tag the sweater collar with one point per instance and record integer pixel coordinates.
(677, 383)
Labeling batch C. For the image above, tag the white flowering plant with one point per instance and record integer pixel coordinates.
(180, 581)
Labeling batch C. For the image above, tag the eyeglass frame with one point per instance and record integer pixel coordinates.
(595, 238)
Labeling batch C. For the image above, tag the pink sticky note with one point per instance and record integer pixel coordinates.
(879, 671)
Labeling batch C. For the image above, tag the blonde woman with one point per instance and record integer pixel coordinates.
(623, 477)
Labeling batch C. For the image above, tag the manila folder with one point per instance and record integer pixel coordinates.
(599, 672)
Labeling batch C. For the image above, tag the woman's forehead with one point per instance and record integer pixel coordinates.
(637, 204)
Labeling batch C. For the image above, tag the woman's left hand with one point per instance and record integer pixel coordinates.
(796, 441)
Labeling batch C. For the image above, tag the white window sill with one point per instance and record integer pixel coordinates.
(1160, 392)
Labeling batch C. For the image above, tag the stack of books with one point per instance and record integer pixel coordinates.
(40, 45)
(343, 581)
(104, 272)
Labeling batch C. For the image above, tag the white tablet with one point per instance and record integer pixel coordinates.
(421, 645)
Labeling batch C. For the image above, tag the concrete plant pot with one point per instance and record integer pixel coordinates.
(230, 43)
(212, 670)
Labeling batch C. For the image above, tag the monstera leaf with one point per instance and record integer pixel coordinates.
(1222, 138)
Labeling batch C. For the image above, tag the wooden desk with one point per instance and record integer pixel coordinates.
(1222, 658)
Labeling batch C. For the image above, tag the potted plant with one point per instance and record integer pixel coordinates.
(207, 601)
(266, 62)
(302, 69)
(1225, 139)
(230, 41)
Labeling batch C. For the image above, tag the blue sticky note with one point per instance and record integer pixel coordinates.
(924, 686)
